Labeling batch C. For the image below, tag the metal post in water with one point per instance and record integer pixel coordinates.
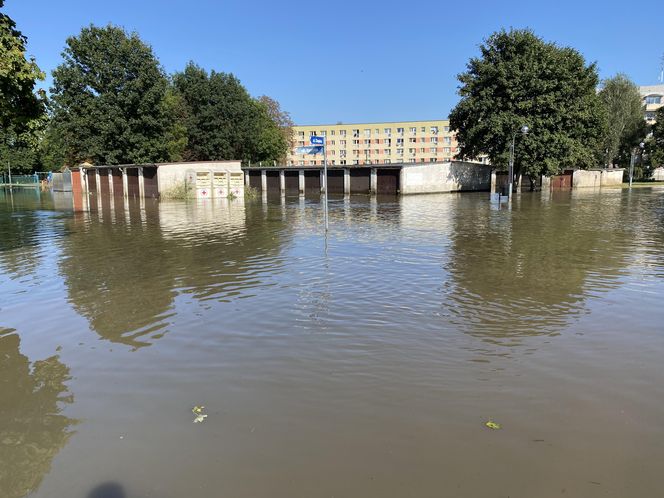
(510, 170)
(631, 167)
(325, 177)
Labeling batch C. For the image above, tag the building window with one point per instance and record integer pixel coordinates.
(399, 141)
(422, 150)
(301, 143)
(332, 142)
(423, 129)
(376, 151)
(434, 140)
(367, 132)
(388, 161)
(323, 133)
(650, 116)
(433, 150)
(367, 152)
(422, 160)
(654, 99)
(367, 141)
(342, 143)
(446, 129)
(356, 133)
(301, 163)
(377, 131)
(433, 160)
(332, 152)
(332, 132)
(388, 131)
(400, 152)
(312, 133)
(356, 162)
(388, 141)
(356, 152)
(413, 130)
(412, 140)
(447, 140)
(387, 152)
(342, 153)
(342, 162)
(400, 131)
(434, 130)
(446, 150)
(342, 133)
(356, 142)
(411, 151)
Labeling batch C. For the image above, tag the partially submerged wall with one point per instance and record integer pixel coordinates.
(597, 178)
(455, 176)
(173, 175)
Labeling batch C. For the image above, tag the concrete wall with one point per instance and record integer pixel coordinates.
(453, 176)
(170, 175)
(658, 174)
(597, 178)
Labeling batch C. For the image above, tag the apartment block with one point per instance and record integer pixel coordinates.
(377, 143)
(653, 99)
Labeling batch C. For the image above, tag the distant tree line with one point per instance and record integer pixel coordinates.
(112, 103)
(575, 121)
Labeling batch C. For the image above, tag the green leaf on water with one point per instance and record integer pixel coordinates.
(492, 425)
(198, 409)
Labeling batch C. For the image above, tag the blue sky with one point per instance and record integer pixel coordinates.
(357, 60)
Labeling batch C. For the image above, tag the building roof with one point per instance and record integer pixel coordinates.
(651, 89)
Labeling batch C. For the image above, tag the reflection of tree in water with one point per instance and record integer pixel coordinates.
(526, 272)
(25, 232)
(32, 429)
(123, 272)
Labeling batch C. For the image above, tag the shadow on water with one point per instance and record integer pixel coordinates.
(107, 490)
(32, 428)
(124, 264)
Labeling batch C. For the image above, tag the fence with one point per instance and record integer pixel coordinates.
(19, 179)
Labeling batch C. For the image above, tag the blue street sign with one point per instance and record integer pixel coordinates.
(309, 149)
(317, 140)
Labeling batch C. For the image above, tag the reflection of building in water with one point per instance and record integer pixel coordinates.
(124, 268)
(529, 271)
(32, 428)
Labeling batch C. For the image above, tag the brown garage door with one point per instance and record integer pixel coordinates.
(335, 181)
(150, 183)
(292, 181)
(273, 182)
(360, 181)
(255, 179)
(133, 189)
(117, 181)
(92, 179)
(104, 189)
(312, 181)
(387, 181)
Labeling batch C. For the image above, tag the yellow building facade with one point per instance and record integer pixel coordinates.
(377, 143)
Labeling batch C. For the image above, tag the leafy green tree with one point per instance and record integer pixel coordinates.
(108, 99)
(283, 121)
(625, 126)
(222, 120)
(519, 79)
(655, 144)
(19, 104)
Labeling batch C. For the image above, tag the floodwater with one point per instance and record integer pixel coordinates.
(365, 369)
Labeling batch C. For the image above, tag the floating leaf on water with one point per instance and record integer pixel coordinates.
(199, 418)
(492, 425)
(198, 409)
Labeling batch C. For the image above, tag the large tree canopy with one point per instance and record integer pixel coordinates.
(519, 79)
(108, 99)
(625, 126)
(222, 121)
(19, 104)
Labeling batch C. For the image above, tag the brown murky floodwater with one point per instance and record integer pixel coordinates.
(366, 371)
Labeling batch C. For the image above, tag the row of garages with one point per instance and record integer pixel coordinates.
(339, 181)
(107, 181)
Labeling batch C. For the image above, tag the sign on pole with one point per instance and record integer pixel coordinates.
(317, 140)
(309, 149)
